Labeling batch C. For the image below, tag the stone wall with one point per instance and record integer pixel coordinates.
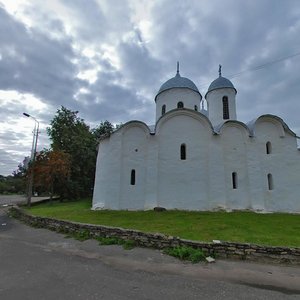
(161, 241)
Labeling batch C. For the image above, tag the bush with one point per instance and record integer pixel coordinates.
(82, 235)
(127, 244)
(105, 241)
(186, 253)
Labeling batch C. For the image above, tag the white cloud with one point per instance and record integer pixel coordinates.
(107, 59)
(29, 101)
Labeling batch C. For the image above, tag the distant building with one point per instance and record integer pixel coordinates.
(199, 159)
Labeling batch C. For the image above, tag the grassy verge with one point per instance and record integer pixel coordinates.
(266, 229)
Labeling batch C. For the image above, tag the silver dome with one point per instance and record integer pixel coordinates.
(220, 83)
(178, 82)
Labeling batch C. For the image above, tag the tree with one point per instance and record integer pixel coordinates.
(12, 185)
(15, 183)
(70, 134)
(22, 169)
(52, 170)
(104, 128)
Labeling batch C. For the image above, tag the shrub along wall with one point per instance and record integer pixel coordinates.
(161, 241)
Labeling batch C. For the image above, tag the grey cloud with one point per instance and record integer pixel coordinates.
(9, 162)
(33, 63)
(246, 29)
(115, 103)
(200, 34)
(98, 24)
(91, 17)
(139, 67)
(11, 136)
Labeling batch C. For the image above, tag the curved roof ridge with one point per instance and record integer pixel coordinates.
(220, 83)
(219, 127)
(178, 82)
(129, 123)
(252, 123)
(185, 111)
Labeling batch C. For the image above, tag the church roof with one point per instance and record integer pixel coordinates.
(251, 124)
(178, 82)
(220, 83)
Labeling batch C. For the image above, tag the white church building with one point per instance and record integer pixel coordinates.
(199, 159)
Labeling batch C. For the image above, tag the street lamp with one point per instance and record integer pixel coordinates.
(33, 155)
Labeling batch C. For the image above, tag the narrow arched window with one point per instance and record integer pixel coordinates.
(183, 152)
(180, 104)
(225, 108)
(268, 147)
(132, 177)
(196, 108)
(270, 182)
(234, 180)
(163, 109)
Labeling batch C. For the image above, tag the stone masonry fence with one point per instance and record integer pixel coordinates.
(219, 249)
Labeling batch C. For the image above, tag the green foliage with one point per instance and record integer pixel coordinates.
(70, 134)
(277, 229)
(127, 244)
(82, 235)
(51, 171)
(105, 241)
(186, 253)
(21, 171)
(12, 185)
(104, 128)
(15, 183)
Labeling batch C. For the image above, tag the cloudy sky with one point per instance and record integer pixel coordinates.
(108, 58)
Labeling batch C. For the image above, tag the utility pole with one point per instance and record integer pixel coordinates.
(33, 156)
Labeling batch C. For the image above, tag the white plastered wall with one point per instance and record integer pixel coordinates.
(108, 173)
(283, 163)
(183, 184)
(203, 181)
(171, 97)
(234, 139)
(215, 105)
(134, 157)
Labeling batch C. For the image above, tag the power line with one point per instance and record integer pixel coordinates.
(259, 67)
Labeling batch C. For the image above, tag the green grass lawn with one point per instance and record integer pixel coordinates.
(266, 229)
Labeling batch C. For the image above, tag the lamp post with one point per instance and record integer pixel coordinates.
(33, 156)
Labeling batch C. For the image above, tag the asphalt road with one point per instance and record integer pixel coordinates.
(40, 264)
(16, 199)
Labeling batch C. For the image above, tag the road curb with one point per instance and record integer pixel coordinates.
(220, 249)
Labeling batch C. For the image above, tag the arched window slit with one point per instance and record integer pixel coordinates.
(183, 152)
(225, 108)
(270, 182)
(234, 180)
(268, 148)
(180, 104)
(132, 177)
